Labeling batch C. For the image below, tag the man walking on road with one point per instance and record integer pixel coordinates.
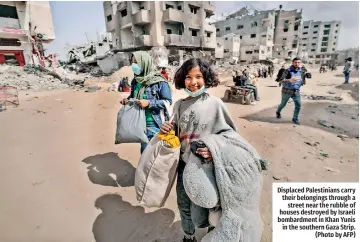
(291, 81)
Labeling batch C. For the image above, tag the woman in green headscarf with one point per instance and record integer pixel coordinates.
(152, 92)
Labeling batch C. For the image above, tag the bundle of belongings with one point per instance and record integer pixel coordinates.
(230, 186)
(156, 171)
(131, 124)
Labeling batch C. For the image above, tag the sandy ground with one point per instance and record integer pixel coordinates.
(58, 161)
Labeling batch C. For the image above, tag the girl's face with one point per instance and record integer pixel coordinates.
(133, 60)
(194, 80)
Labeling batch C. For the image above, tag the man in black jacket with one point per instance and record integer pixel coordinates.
(279, 75)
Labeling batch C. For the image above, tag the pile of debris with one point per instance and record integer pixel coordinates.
(319, 97)
(37, 78)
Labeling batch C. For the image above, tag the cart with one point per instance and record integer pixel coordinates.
(243, 94)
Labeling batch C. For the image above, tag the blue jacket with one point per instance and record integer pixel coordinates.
(159, 95)
(289, 73)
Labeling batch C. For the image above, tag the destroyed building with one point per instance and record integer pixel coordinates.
(179, 26)
(287, 33)
(24, 26)
(255, 30)
(319, 40)
(231, 47)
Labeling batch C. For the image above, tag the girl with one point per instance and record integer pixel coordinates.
(151, 91)
(194, 122)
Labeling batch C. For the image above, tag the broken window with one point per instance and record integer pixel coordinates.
(305, 33)
(296, 27)
(253, 36)
(278, 53)
(336, 31)
(227, 28)
(334, 43)
(294, 46)
(286, 21)
(325, 38)
(315, 26)
(327, 26)
(312, 49)
(123, 13)
(180, 32)
(337, 25)
(208, 34)
(318, 56)
(167, 6)
(240, 26)
(256, 51)
(297, 18)
(248, 52)
(217, 30)
(179, 7)
(323, 50)
(314, 37)
(254, 24)
(109, 18)
(168, 31)
(333, 49)
(226, 51)
(313, 44)
(286, 30)
(335, 37)
(240, 37)
(304, 39)
(324, 44)
(193, 9)
(315, 32)
(304, 45)
(193, 33)
(263, 36)
(326, 32)
(8, 12)
(226, 38)
(306, 27)
(9, 42)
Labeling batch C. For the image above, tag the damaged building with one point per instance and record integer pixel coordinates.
(173, 27)
(255, 30)
(287, 33)
(24, 27)
(319, 41)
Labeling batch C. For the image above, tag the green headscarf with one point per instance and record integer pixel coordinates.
(148, 75)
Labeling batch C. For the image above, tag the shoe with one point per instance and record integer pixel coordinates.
(189, 240)
(295, 121)
(278, 115)
(210, 228)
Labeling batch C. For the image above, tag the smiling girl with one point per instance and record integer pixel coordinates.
(198, 115)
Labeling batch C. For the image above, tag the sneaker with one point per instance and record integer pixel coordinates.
(295, 121)
(189, 240)
(278, 115)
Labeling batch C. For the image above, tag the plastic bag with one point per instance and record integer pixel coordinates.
(131, 124)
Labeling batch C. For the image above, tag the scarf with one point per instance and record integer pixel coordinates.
(149, 75)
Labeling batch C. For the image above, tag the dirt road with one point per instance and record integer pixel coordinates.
(62, 179)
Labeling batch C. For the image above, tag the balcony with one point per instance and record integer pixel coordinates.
(173, 16)
(9, 23)
(142, 40)
(181, 40)
(142, 17)
(125, 22)
(210, 28)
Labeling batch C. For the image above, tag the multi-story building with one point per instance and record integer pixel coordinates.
(142, 25)
(256, 33)
(319, 40)
(287, 33)
(18, 22)
(231, 46)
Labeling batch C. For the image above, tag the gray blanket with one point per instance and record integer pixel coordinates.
(237, 168)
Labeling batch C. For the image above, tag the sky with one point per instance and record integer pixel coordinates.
(73, 21)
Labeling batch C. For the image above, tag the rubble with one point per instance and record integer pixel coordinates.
(316, 97)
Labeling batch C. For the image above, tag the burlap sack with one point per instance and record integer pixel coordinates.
(156, 173)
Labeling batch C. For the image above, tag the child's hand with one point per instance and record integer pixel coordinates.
(205, 153)
(143, 103)
(167, 127)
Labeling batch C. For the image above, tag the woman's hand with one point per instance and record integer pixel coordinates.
(143, 103)
(205, 153)
(167, 127)
(124, 101)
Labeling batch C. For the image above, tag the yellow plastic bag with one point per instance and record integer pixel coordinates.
(170, 139)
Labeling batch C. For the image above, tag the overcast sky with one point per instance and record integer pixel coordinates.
(346, 12)
(73, 19)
